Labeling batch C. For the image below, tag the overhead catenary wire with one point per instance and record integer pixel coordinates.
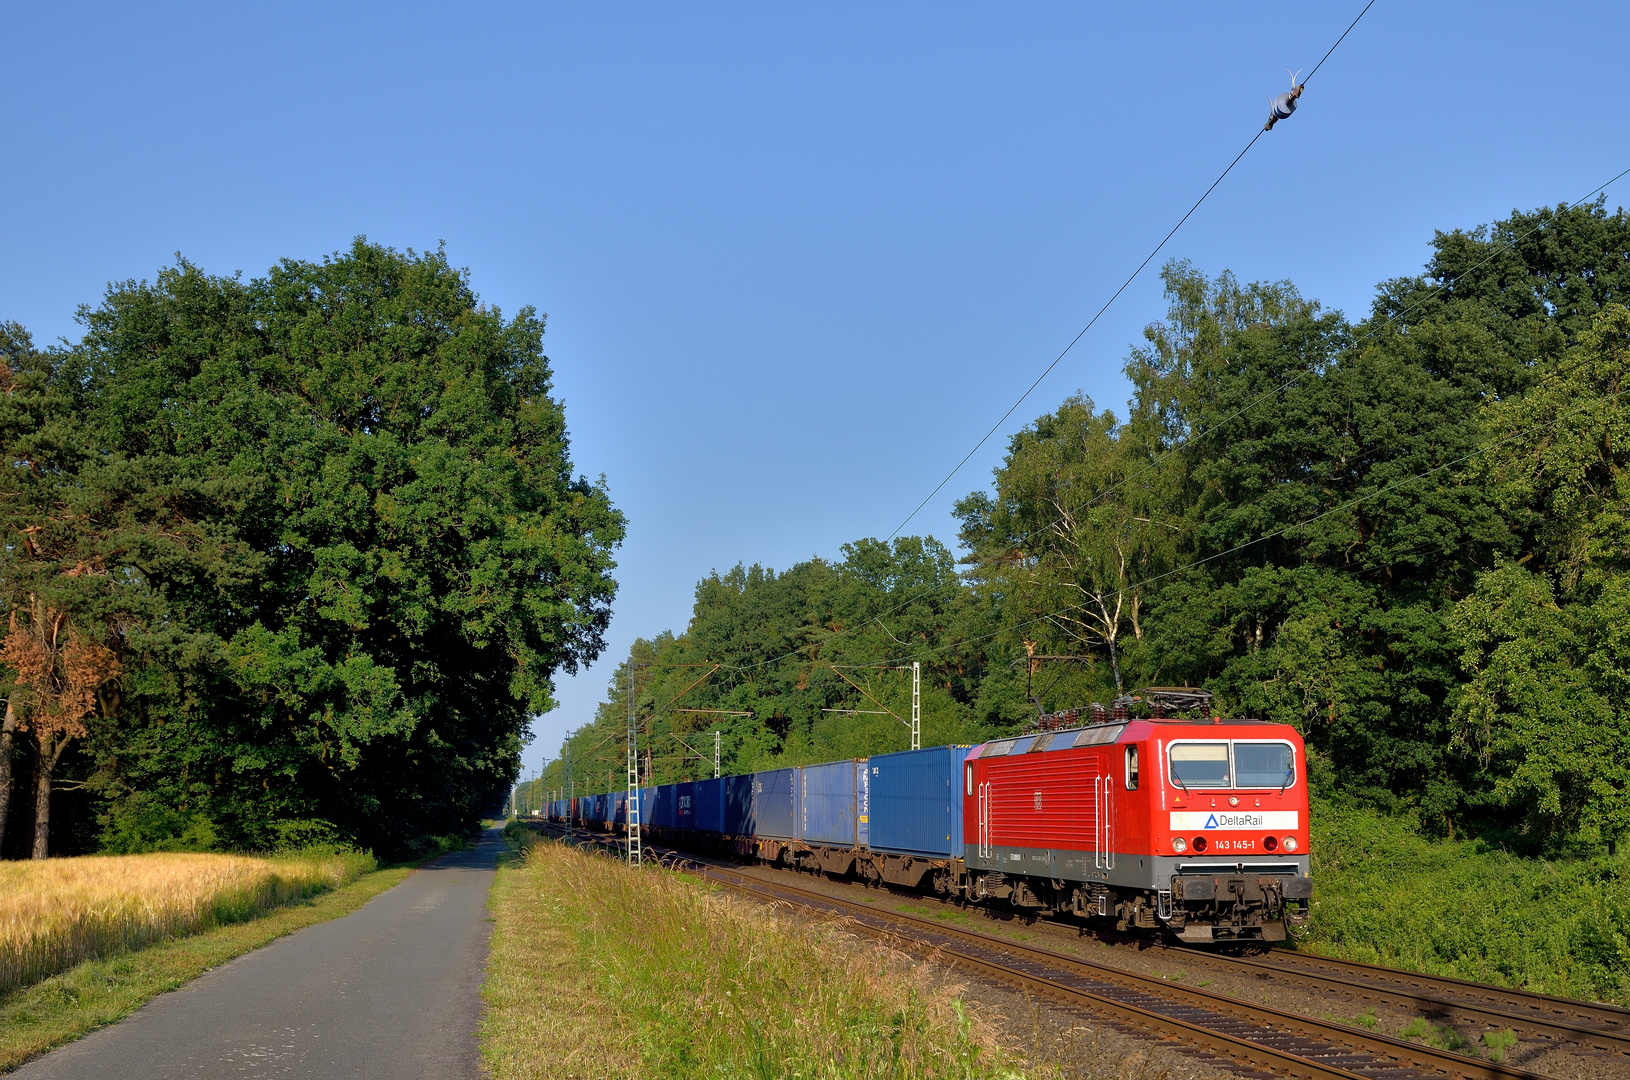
(1059, 358)
(1500, 247)
(1294, 379)
(1193, 564)
(1347, 505)
(1114, 296)
(1190, 440)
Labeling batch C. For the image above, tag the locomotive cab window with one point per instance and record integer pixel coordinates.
(1263, 765)
(1131, 768)
(1238, 764)
(1199, 764)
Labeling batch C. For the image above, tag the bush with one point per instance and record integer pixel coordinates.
(1386, 894)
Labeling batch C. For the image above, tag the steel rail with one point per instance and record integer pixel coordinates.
(1434, 1005)
(1378, 1046)
(1527, 999)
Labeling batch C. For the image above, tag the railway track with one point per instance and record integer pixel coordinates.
(1288, 1043)
(1245, 1037)
(1600, 1027)
(1538, 1018)
(1596, 1024)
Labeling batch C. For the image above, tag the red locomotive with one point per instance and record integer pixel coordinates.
(1199, 827)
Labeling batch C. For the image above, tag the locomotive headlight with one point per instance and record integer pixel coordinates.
(1290, 843)
(1179, 845)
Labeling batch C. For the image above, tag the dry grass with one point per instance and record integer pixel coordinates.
(99, 992)
(58, 912)
(597, 971)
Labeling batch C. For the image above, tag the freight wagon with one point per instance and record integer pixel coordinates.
(1197, 829)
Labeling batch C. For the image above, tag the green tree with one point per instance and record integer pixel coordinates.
(1543, 638)
(86, 532)
(418, 558)
(1322, 571)
(1077, 524)
(799, 666)
(1328, 523)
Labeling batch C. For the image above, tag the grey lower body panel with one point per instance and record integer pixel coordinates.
(1122, 870)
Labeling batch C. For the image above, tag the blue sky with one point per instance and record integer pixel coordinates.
(796, 259)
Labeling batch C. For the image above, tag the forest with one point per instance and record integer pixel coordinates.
(287, 562)
(1407, 535)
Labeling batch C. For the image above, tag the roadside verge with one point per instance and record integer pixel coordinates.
(597, 970)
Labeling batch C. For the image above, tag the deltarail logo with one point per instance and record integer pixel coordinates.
(1202, 820)
(1236, 821)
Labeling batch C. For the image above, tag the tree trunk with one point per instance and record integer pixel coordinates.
(1115, 663)
(7, 737)
(50, 752)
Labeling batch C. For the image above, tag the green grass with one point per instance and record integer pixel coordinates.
(96, 993)
(1498, 1042)
(1439, 1035)
(1385, 894)
(597, 970)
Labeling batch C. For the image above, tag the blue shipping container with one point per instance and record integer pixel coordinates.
(826, 804)
(708, 805)
(684, 812)
(863, 802)
(775, 804)
(738, 805)
(648, 804)
(916, 802)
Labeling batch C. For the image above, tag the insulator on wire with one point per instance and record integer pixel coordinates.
(1279, 108)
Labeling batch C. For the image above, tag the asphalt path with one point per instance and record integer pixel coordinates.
(391, 990)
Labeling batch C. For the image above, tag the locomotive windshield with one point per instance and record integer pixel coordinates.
(1200, 764)
(1232, 764)
(1262, 764)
